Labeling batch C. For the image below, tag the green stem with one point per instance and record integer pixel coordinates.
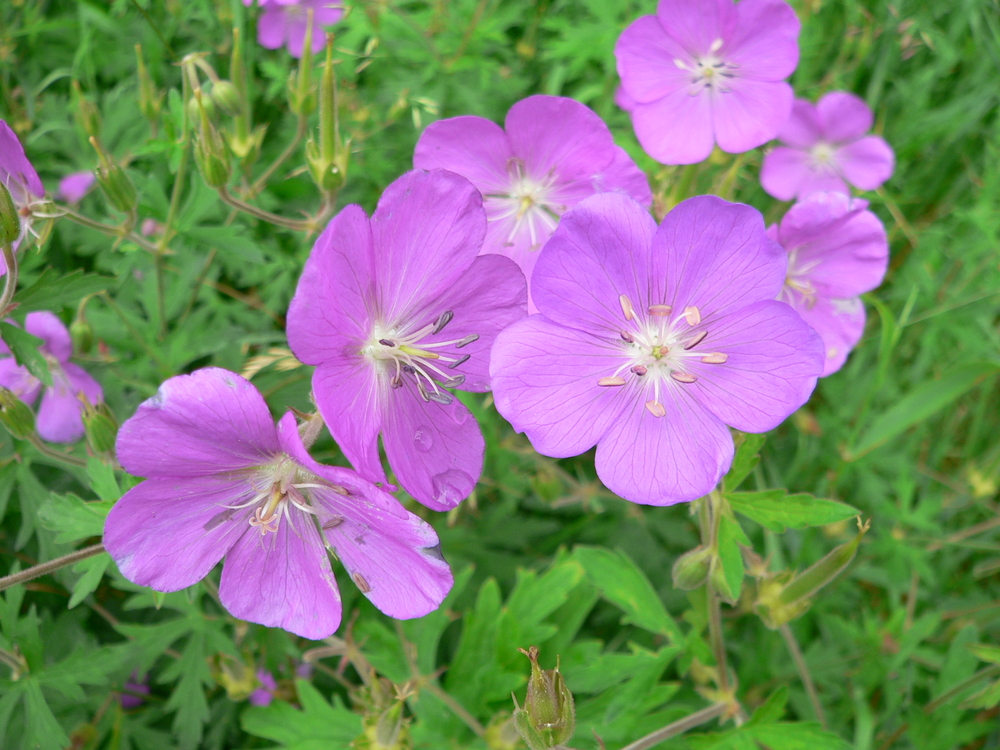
(261, 182)
(108, 229)
(678, 727)
(54, 454)
(44, 568)
(983, 674)
(293, 224)
(10, 283)
(711, 519)
(800, 663)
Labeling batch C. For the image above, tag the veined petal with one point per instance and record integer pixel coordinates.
(16, 171)
(473, 147)
(803, 129)
(51, 330)
(17, 379)
(764, 43)
(840, 323)
(696, 24)
(204, 423)
(169, 533)
(676, 128)
(751, 114)
(283, 579)
(623, 176)
(646, 55)
(844, 116)
(59, 417)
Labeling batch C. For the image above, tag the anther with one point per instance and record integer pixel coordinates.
(440, 398)
(659, 310)
(656, 408)
(639, 370)
(396, 382)
(613, 380)
(696, 340)
(442, 321)
(333, 523)
(461, 360)
(627, 309)
(409, 369)
(715, 46)
(715, 358)
(387, 342)
(692, 315)
(467, 340)
(361, 583)
(683, 377)
(454, 382)
(423, 391)
(626, 336)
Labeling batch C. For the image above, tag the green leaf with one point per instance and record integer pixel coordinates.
(53, 292)
(229, 241)
(920, 403)
(188, 698)
(985, 652)
(623, 584)
(777, 510)
(73, 519)
(93, 570)
(42, 731)
(102, 479)
(318, 726)
(746, 459)
(730, 537)
(24, 347)
(772, 709)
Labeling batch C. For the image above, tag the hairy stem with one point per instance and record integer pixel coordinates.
(259, 213)
(10, 283)
(45, 568)
(710, 519)
(54, 454)
(678, 727)
(108, 229)
(800, 663)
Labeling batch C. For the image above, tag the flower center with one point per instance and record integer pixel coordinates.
(405, 357)
(798, 288)
(708, 71)
(530, 203)
(659, 348)
(823, 155)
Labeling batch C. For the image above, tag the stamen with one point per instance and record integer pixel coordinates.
(467, 340)
(626, 336)
(409, 369)
(656, 408)
(423, 391)
(627, 309)
(441, 398)
(692, 315)
(683, 377)
(442, 321)
(361, 583)
(715, 46)
(387, 342)
(454, 382)
(715, 358)
(640, 370)
(460, 361)
(696, 340)
(396, 382)
(660, 310)
(611, 381)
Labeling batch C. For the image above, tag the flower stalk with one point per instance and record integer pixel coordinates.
(51, 566)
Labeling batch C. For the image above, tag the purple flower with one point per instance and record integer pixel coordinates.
(74, 186)
(224, 481)
(135, 684)
(703, 72)
(836, 251)
(825, 148)
(59, 415)
(264, 694)
(283, 23)
(21, 180)
(554, 153)
(651, 340)
(395, 309)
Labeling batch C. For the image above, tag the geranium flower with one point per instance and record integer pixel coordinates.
(396, 309)
(21, 180)
(836, 251)
(223, 481)
(283, 23)
(703, 72)
(59, 417)
(551, 154)
(73, 187)
(267, 687)
(826, 147)
(135, 684)
(650, 340)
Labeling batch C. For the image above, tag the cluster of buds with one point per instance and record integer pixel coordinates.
(117, 187)
(548, 718)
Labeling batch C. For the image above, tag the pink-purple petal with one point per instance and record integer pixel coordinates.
(751, 114)
(646, 55)
(59, 418)
(840, 323)
(16, 171)
(764, 44)
(867, 163)
(73, 187)
(52, 332)
(676, 128)
(784, 172)
(17, 379)
(844, 116)
(696, 24)
(271, 27)
(473, 147)
(803, 129)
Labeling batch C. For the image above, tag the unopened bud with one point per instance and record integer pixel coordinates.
(101, 428)
(82, 334)
(548, 717)
(301, 98)
(225, 95)
(328, 157)
(691, 568)
(150, 98)
(194, 111)
(10, 220)
(113, 181)
(211, 151)
(15, 415)
(87, 114)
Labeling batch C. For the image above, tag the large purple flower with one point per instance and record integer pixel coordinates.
(836, 251)
(283, 23)
(59, 417)
(651, 340)
(222, 480)
(703, 72)
(551, 154)
(21, 180)
(396, 309)
(826, 147)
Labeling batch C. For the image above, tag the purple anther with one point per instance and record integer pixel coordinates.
(639, 370)
(387, 342)
(626, 336)
(396, 382)
(454, 382)
(442, 321)
(461, 360)
(440, 398)
(467, 340)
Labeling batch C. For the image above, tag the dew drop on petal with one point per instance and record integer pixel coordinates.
(423, 439)
(452, 486)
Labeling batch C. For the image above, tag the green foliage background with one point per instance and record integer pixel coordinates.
(906, 432)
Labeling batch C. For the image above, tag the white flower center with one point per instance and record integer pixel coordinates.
(798, 288)
(530, 202)
(709, 71)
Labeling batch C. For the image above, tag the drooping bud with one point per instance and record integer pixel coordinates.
(210, 150)
(88, 116)
(10, 220)
(15, 415)
(329, 159)
(101, 428)
(548, 717)
(113, 181)
(82, 334)
(150, 98)
(691, 568)
(225, 95)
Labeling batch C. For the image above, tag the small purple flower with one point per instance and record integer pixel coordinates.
(74, 186)
(836, 251)
(395, 309)
(21, 180)
(59, 417)
(135, 684)
(553, 153)
(283, 23)
(650, 340)
(826, 147)
(264, 694)
(703, 72)
(222, 480)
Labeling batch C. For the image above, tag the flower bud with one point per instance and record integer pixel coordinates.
(691, 568)
(194, 110)
(548, 717)
(15, 415)
(113, 181)
(101, 428)
(329, 158)
(82, 334)
(225, 95)
(210, 150)
(301, 98)
(88, 116)
(10, 220)
(150, 98)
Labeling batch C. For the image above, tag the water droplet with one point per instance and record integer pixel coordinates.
(460, 415)
(451, 487)
(422, 439)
